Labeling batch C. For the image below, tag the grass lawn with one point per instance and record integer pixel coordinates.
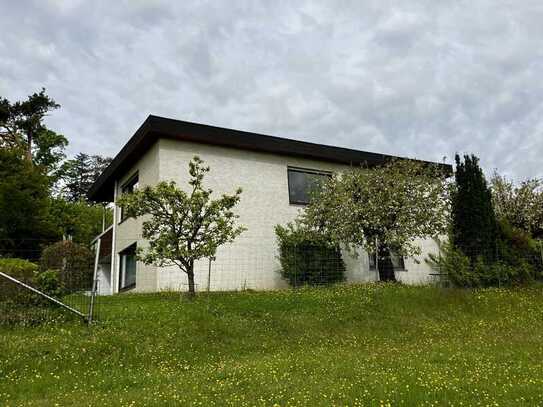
(344, 345)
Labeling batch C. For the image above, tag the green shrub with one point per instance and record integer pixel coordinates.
(48, 282)
(22, 270)
(516, 248)
(18, 268)
(513, 267)
(308, 259)
(28, 273)
(72, 262)
(454, 264)
(20, 306)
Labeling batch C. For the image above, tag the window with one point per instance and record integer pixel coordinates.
(372, 260)
(396, 260)
(127, 268)
(128, 187)
(302, 183)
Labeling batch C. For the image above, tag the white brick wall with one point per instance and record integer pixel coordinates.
(129, 231)
(251, 261)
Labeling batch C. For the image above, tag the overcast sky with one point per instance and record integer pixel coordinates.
(413, 78)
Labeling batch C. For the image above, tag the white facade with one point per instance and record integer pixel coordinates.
(251, 261)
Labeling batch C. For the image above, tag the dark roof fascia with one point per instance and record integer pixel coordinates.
(156, 127)
(102, 189)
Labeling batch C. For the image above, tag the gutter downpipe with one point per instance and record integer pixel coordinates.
(114, 276)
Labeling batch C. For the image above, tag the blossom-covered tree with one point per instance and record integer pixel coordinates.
(183, 226)
(520, 205)
(387, 206)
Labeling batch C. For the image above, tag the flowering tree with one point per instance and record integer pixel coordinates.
(387, 206)
(183, 227)
(520, 205)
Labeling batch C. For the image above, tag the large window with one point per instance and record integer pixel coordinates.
(128, 187)
(302, 183)
(396, 260)
(127, 268)
(372, 258)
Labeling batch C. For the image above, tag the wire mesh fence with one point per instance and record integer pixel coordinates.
(21, 306)
(499, 266)
(250, 264)
(50, 283)
(254, 265)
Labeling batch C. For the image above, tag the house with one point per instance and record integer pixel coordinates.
(273, 173)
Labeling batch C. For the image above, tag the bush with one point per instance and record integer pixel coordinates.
(516, 248)
(308, 259)
(454, 264)
(514, 267)
(48, 282)
(22, 270)
(28, 273)
(20, 306)
(18, 268)
(72, 262)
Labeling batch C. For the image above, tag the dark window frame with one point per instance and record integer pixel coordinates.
(372, 262)
(401, 260)
(305, 171)
(124, 252)
(130, 182)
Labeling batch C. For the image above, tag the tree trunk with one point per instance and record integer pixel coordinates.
(29, 147)
(190, 276)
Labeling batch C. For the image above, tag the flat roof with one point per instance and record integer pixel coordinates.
(156, 127)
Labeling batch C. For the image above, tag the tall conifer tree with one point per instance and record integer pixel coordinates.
(473, 220)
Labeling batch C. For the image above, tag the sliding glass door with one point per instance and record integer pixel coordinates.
(127, 275)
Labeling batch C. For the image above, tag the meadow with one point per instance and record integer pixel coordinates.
(357, 345)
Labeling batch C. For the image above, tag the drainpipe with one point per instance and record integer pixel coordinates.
(103, 218)
(113, 272)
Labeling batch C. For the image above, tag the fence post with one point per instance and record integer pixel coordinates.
(94, 280)
(377, 276)
(296, 255)
(92, 300)
(209, 274)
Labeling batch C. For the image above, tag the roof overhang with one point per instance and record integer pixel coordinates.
(155, 127)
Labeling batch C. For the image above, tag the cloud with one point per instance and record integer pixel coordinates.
(422, 78)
